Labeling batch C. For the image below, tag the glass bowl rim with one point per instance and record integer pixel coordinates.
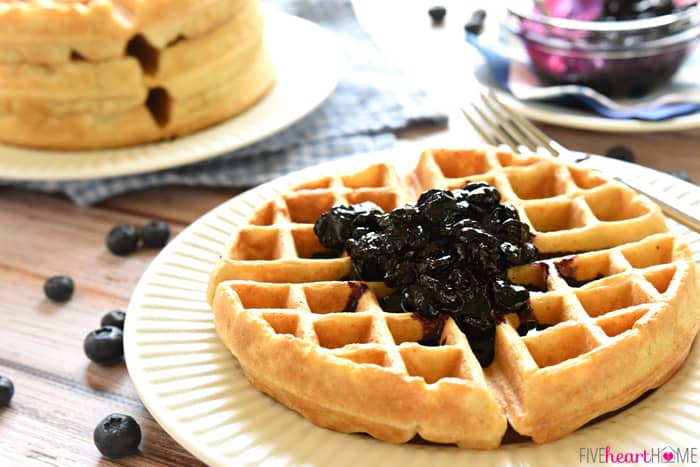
(519, 11)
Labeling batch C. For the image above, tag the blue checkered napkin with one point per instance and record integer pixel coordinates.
(374, 100)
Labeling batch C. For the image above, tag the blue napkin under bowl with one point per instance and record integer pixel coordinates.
(510, 69)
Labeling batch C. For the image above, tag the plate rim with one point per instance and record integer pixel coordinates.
(334, 69)
(504, 453)
(553, 115)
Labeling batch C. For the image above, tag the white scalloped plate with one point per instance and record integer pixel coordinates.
(308, 63)
(195, 389)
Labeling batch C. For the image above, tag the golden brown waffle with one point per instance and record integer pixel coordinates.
(170, 68)
(324, 347)
(569, 209)
(622, 324)
(279, 243)
(360, 371)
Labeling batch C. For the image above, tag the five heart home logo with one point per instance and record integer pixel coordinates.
(668, 454)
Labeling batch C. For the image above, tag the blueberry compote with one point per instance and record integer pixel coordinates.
(614, 10)
(618, 60)
(445, 255)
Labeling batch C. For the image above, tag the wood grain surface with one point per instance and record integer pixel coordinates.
(60, 396)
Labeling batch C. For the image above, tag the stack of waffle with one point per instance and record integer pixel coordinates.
(615, 319)
(78, 74)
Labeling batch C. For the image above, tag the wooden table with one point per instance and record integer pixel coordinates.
(60, 396)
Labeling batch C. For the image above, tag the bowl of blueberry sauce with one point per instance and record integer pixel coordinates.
(621, 48)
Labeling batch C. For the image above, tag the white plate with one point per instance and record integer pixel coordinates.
(557, 114)
(308, 63)
(195, 389)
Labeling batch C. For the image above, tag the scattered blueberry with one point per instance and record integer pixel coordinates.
(622, 153)
(114, 318)
(117, 435)
(155, 234)
(437, 14)
(122, 239)
(7, 390)
(104, 345)
(59, 288)
(476, 22)
(681, 174)
(445, 255)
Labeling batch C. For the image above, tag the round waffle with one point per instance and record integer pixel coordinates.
(620, 315)
(102, 73)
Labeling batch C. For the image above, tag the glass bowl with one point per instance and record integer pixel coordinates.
(618, 58)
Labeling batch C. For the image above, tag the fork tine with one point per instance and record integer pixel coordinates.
(527, 128)
(495, 128)
(524, 143)
(545, 143)
(484, 129)
(484, 135)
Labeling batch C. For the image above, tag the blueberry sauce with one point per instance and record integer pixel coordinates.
(432, 330)
(567, 271)
(445, 255)
(357, 289)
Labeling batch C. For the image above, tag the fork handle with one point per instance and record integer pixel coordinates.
(676, 214)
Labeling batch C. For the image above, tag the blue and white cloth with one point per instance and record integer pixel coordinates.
(510, 70)
(374, 100)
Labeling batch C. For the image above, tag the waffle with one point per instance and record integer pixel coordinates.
(321, 344)
(97, 74)
(570, 209)
(279, 243)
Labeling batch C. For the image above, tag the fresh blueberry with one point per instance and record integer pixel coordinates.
(104, 345)
(123, 239)
(114, 318)
(117, 435)
(622, 153)
(59, 288)
(155, 234)
(476, 22)
(437, 14)
(7, 390)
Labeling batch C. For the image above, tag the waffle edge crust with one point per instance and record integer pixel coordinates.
(90, 74)
(625, 325)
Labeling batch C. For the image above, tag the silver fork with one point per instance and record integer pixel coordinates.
(499, 125)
